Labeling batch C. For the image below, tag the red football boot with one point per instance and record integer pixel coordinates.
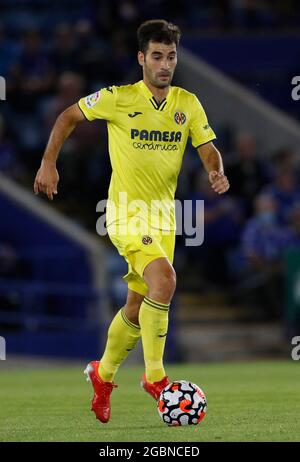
(154, 389)
(102, 392)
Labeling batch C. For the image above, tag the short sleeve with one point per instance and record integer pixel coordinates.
(99, 105)
(200, 130)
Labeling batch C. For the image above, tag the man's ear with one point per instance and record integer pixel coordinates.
(141, 58)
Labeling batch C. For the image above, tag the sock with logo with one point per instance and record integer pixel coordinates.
(153, 319)
(122, 337)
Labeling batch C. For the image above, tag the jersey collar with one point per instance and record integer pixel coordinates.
(147, 93)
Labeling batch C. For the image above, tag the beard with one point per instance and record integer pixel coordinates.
(158, 84)
(157, 81)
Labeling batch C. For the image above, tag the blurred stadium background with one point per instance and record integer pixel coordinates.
(238, 294)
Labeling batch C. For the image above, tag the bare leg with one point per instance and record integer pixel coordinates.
(160, 277)
(132, 306)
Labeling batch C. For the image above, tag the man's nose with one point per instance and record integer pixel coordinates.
(165, 65)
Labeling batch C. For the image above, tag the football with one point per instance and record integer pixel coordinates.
(182, 403)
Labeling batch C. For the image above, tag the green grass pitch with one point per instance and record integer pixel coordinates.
(249, 401)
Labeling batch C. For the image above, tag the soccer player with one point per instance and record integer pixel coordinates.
(149, 123)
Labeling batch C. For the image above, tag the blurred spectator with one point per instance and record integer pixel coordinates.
(11, 268)
(284, 159)
(64, 56)
(285, 191)
(263, 238)
(246, 173)
(9, 261)
(294, 221)
(31, 74)
(263, 242)
(121, 55)
(92, 54)
(292, 302)
(9, 162)
(127, 13)
(252, 14)
(7, 52)
(70, 88)
(222, 220)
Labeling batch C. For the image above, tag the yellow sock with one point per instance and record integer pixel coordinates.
(153, 319)
(122, 337)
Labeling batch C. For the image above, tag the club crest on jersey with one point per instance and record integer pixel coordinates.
(147, 240)
(92, 99)
(180, 118)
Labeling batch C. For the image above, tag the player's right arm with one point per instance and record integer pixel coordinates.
(47, 177)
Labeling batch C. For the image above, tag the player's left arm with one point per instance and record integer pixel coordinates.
(213, 164)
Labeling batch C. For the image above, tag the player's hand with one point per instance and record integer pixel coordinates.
(46, 179)
(219, 182)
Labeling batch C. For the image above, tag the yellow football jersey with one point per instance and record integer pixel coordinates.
(146, 145)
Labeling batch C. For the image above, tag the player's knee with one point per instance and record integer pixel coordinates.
(163, 286)
(170, 280)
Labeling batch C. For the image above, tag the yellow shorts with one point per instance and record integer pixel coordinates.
(139, 250)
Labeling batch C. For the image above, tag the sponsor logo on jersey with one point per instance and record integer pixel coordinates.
(155, 135)
(147, 240)
(92, 99)
(206, 127)
(180, 118)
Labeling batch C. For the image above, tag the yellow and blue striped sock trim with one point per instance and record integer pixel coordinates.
(157, 305)
(126, 320)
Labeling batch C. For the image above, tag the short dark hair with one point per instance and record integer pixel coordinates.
(157, 30)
